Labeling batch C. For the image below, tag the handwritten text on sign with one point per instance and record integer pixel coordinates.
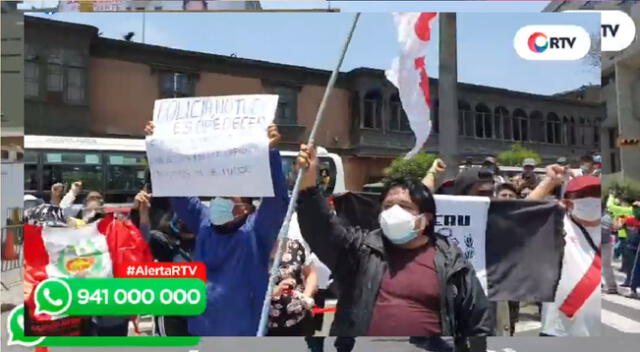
(212, 146)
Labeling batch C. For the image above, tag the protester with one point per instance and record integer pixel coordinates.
(172, 243)
(528, 178)
(234, 241)
(619, 210)
(611, 286)
(292, 298)
(506, 191)
(587, 166)
(474, 182)
(575, 312)
(491, 164)
(383, 273)
(316, 343)
(562, 161)
(630, 250)
(597, 165)
(634, 281)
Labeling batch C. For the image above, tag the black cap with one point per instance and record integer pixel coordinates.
(469, 177)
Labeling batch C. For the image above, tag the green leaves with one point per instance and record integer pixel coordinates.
(414, 168)
(515, 156)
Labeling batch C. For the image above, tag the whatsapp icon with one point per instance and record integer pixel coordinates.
(15, 328)
(53, 297)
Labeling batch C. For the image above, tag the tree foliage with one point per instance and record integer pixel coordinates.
(516, 155)
(415, 167)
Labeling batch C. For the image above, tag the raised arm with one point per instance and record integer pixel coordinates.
(191, 211)
(436, 169)
(320, 228)
(272, 210)
(554, 178)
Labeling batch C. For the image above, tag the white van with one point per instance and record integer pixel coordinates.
(331, 175)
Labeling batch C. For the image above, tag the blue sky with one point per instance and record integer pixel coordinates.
(485, 42)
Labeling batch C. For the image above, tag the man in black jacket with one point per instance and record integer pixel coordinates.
(401, 280)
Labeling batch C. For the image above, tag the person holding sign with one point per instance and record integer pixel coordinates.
(403, 279)
(234, 240)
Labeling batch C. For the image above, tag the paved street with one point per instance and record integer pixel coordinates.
(620, 315)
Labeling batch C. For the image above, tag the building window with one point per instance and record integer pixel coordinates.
(596, 132)
(465, 119)
(398, 119)
(483, 122)
(520, 126)
(372, 110)
(571, 129)
(287, 105)
(176, 85)
(31, 79)
(74, 77)
(582, 129)
(537, 127)
(54, 72)
(355, 110)
(503, 123)
(553, 128)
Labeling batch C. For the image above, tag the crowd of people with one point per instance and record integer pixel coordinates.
(402, 279)
(620, 241)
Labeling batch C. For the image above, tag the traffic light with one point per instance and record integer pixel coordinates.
(628, 142)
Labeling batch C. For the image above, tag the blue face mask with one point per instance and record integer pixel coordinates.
(221, 211)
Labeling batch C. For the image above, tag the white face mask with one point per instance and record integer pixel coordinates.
(588, 209)
(399, 225)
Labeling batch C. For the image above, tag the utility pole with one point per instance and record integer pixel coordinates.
(448, 94)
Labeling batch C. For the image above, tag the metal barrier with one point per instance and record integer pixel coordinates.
(12, 247)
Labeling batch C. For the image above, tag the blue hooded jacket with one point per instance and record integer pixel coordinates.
(237, 263)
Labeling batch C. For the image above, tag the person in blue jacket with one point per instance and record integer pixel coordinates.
(234, 240)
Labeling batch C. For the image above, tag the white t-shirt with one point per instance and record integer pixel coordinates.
(578, 258)
(323, 272)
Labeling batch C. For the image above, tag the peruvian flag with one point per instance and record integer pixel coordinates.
(95, 250)
(576, 309)
(409, 72)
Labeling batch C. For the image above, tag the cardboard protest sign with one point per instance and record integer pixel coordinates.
(464, 220)
(212, 146)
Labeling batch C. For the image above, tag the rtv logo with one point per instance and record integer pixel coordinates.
(539, 42)
(552, 42)
(617, 29)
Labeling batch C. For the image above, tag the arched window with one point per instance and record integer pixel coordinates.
(503, 123)
(572, 131)
(398, 120)
(355, 110)
(537, 126)
(465, 119)
(553, 128)
(484, 128)
(372, 110)
(520, 128)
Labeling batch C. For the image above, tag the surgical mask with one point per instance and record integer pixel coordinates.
(398, 225)
(221, 211)
(585, 169)
(588, 209)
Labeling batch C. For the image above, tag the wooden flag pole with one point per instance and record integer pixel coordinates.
(284, 230)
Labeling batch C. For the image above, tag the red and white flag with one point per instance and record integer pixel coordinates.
(408, 72)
